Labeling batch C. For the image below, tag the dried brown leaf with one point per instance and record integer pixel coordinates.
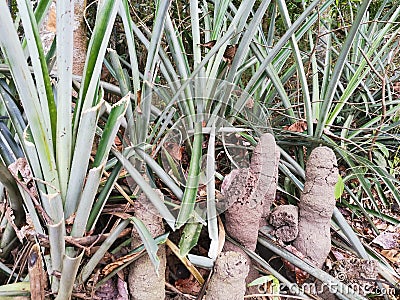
(301, 276)
(51, 21)
(22, 173)
(37, 276)
(392, 255)
(299, 126)
(70, 220)
(387, 240)
(119, 262)
(209, 44)
(188, 285)
(175, 150)
(230, 52)
(138, 101)
(139, 97)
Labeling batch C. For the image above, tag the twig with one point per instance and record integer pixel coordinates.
(185, 261)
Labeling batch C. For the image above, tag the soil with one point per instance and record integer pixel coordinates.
(316, 206)
(285, 219)
(250, 193)
(229, 276)
(142, 274)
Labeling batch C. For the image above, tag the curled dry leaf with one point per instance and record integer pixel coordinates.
(70, 220)
(388, 240)
(119, 262)
(301, 276)
(299, 126)
(139, 97)
(188, 285)
(22, 173)
(118, 143)
(139, 100)
(26, 231)
(392, 255)
(174, 149)
(396, 87)
(37, 275)
(229, 53)
(209, 44)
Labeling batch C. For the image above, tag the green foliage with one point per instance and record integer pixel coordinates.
(339, 188)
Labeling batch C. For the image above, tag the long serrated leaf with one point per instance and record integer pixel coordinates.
(80, 162)
(9, 149)
(53, 206)
(212, 224)
(110, 130)
(190, 236)
(65, 25)
(299, 66)
(40, 13)
(147, 189)
(95, 259)
(280, 89)
(166, 68)
(68, 275)
(119, 72)
(23, 80)
(30, 208)
(248, 36)
(86, 201)
(195, 72)
(124, 12)
(192, 183)
(57, 251)
(17, 290)
(41, 10)
(350, 234)
(195, 22)
(219, 18)
(94, 60)
(168, 181)
(103, 196)
(34, 162)
(383, 175)
(127, 21)
(339, 65)
(178, 51)
(176, 44)
(364, 69)
(148, 241)
(38, 59)
(159, 240)
(12, 109)
(254, 80)
(145, 105)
